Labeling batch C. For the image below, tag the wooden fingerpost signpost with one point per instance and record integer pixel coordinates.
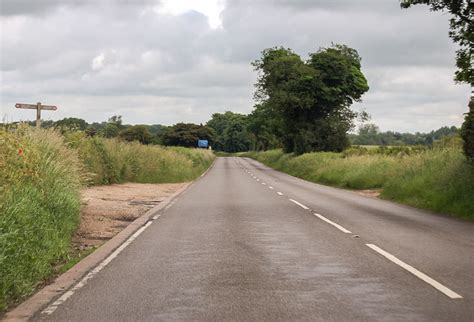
(38, 107)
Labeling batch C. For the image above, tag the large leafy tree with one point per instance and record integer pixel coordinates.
(187, 134)
(231, 131)
(264, 128)
(112, 127)
(71, 123)
(311, 98)
(138, 133)
(461, 32)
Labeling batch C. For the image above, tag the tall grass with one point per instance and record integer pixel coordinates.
(41, 173)
(113, 161)
(39, 207)
(438, 179)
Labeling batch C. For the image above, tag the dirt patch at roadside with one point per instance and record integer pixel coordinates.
(106, 210)
(374, 193)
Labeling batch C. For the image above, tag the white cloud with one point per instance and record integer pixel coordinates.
(98, 62)
(210, 8)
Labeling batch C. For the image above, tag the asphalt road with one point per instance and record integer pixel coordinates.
(247, 243)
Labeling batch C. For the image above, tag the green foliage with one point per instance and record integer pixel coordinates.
(138, 133)
(71, 123)
(369, 134)
(187, 135)
(467, 132)
(39, 207)
(41, 173)
(230, 130)
(109, 161)
(461, 31)
(310, 100)
(438, 179)
(264, 128)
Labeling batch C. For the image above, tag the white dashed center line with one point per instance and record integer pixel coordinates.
(280, 193)
(299, 204)
(344, 230)
(440, 287)
(270, 187)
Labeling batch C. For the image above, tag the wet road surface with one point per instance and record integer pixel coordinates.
(248, 243)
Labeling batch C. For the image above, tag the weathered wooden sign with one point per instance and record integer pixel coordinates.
(38, 107)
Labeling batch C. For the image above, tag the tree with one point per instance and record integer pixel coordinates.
(313, 98)
(71, 123)
(467, 132)
(235, 137)
(264, 128)
(187, 134)
(112, 128)
(138, 133)
(230, 132)
(461, 32)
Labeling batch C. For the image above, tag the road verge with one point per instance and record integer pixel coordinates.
(28, 308)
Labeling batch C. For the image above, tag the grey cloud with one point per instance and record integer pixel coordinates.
(156, 68)
(34, 7)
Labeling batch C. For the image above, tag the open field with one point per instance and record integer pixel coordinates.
(438, 179)
(41, 174)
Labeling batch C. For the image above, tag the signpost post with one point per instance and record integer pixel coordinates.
(38, 107)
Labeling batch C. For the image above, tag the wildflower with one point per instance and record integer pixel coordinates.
(20, 152)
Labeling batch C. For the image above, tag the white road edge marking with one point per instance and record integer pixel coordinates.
(299, 204)
(155, 217)
(52, 307)
(344, 230)
(280, 193)
(443, 289)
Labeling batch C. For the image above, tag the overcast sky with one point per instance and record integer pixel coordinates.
(174, 61)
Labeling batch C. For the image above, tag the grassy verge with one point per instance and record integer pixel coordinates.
(41, 173)
(437, 179)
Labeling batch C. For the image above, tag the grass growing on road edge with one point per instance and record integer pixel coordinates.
(438, 179)
(41, 173)
(39, 207)
(110, 161)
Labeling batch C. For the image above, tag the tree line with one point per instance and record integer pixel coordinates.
(304, 105)
(234, 132)
(370, 134)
